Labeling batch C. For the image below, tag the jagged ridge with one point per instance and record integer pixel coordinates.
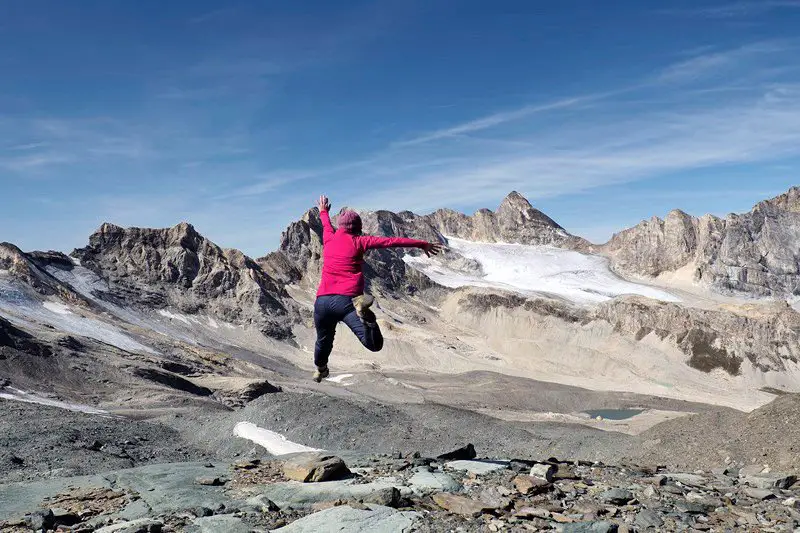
(755, 252)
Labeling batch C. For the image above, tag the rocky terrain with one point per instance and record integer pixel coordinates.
(754, 253)
(321, 492)
(127, 366)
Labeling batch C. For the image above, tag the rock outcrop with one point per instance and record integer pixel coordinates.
(178, 267)
(756, 253)
(767, 337)
(26, 269)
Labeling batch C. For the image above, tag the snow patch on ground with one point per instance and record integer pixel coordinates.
(340, 378)
(275, 443)
(57, 307)
(530, 269)
(174, 316)
(11, 393)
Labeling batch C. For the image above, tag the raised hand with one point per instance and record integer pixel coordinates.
(433, 248)
(323, 203)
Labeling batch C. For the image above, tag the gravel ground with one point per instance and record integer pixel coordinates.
(341, 424)
(769, 435)
(41, 442)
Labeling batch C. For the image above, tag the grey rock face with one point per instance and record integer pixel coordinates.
(180, 268)
(756, 252)
(768, 338)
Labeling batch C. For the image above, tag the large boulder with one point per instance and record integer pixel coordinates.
(315, 467)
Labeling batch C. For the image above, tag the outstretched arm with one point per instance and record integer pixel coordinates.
(369, 242)
(324, 206)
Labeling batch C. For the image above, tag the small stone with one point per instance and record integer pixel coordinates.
(263, 504)
(388, 497)
(491, 496)
(647, 518)
(759, 494)
(315, 467)
(770, 481)
(62, 517)
(210, 481)
(246, 465)
(794, 503)
(462, 454)
(530, 485)
(461, 505)
(527, 513)
(41, 520)
(617, 496)
(650, 493)
(694, 508)
(203, 511)
(565, 472)
(543, 471)
(590, 527)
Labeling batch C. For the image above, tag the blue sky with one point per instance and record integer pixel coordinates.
(234, 116)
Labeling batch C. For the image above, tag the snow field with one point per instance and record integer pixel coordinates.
(528, 269)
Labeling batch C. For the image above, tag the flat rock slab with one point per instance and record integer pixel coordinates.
(133, 526)
(171, 487)
(164, 488)
(589, 527)
(424, 482)
(345, 519)
(616, 496)
(461, 505)
(296, 495)
(219, 524)
(478, 468)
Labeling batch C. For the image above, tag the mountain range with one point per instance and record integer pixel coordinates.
(518, 329)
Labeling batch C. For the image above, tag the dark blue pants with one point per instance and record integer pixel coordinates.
(328, 312)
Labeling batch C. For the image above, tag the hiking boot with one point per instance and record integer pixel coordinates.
(362, 304)
(321, 373)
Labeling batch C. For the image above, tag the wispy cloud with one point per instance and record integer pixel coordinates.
(709, 63)
(732, 10)
(497, 119)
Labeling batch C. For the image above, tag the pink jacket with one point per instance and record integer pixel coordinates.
(343, 257)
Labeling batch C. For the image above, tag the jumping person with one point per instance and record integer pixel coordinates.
(341, 297)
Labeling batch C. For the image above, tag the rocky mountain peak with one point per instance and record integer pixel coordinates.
(517, 209)
(178, 267)
(788, 201)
